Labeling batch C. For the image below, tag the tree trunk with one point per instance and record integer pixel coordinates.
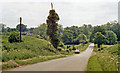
(98, 45)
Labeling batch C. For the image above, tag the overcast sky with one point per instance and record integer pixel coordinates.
(71, 12)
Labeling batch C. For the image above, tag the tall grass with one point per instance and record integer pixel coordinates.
(31, 47)
(105, 60)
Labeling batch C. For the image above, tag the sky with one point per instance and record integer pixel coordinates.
(71, 12)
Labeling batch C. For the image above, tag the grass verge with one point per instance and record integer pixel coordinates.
(17, 63)
(105, 59)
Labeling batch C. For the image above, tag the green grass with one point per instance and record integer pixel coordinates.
(104, 60)
(93, 64)
(31, 47)
(9, 65)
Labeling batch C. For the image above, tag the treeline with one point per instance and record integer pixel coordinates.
(6, 30)
(108, 33)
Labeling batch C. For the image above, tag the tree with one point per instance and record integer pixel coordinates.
(116, 30)
(82, 38)
(52, 27)
(99, 39)
(113, 26)
(111, 37)
(2, 27)
(67, 37)
(75, 30)
(23, 27)
(14, 37)
(60, 29)
(95, 30)
(9, 29)
(85, 30)
(41, 30)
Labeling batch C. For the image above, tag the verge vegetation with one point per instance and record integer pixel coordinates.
(106, 59)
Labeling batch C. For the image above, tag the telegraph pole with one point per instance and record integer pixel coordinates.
(20, 27)
(51, 5)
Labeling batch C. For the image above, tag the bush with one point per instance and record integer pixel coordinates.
(14, 37)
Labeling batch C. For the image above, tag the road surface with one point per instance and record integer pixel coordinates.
(77, 62)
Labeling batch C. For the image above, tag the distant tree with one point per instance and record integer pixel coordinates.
(41, 30)
(2, 27)
(113, 26)
(67, 37)
(82, 38)
(52, 28)
(23, 27)
(86, 30)
(14, 37)
(116, 30)
(89, 26)
(99, 39)
(95, 30)
(14, 29)
(75, 30)
(111, 37)
(60, 29)
(9, 29)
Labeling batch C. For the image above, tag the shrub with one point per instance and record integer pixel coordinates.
(14, 37)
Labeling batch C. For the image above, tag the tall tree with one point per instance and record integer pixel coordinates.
(52, 28)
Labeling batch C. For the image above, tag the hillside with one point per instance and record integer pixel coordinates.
(31, 47)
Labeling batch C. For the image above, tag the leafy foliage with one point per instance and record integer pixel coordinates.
(81, 39)
(23, 27)
(111, 37)
(14, 37)
(99, 39)
(95, 30)
(67, 37)
(113, 26)
(41, 30)
(70, 34)
(52, 28)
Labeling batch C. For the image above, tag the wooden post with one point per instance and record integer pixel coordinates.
(20, 27)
